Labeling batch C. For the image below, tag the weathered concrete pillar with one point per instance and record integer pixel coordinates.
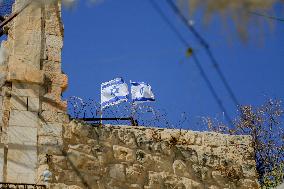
(31, 97)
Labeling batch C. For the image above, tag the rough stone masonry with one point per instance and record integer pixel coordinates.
(37, 135)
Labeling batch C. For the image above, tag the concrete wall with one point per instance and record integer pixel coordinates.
(120, 157)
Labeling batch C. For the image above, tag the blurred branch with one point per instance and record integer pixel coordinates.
(268, 16)
(232, 12)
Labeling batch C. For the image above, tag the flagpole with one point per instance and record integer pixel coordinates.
(101, 108)
(133, 106)
(101, 121)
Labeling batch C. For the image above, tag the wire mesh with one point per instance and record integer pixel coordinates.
(6, 7)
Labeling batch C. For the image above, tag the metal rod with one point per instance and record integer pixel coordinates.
(131, 119)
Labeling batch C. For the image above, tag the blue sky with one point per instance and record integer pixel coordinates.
(129, 39)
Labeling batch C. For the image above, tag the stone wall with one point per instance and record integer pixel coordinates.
(121, 157)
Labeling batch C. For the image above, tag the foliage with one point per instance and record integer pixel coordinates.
(239, 13)
(264, 125)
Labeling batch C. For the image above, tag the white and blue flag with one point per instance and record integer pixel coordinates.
(113, 92)
(141, 92)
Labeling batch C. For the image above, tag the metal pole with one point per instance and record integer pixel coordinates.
(133, 114)
(101, 121)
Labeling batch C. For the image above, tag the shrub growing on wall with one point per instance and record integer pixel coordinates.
(264, 124)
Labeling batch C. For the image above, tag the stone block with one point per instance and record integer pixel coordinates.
(54, 93)
(214, 139)
(53, 54)
(1, 102)
(50, 145)
(23, 119)
(155, 178)
(27, 24)
(21, 165)
(189, 183)
(60, 161)
(41, 159)
(22, 72)
(135, 186)
(253, 183)
(50, 149)
(54, 116)
(198, 139)
(72, 177)
(239, 140)
(54, 41)
(81, 148)
(180, 168)
(52, 27)
(117, 171)
(217, 175)
(24, 57)
(27, 41)
(33, 104)
(50, 141)
(25, 89)
(213, 187)
(136, 173)
(52, 105)
(82, 161)
(189, 153)
(1, 119)
(57, 79)
(123, 154)
(19, 103)
(248, 169)
(51, 66)
(1, 161)
(188, 137)
(50, 129)
(22, 135)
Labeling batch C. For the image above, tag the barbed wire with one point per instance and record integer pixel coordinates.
(146, 115)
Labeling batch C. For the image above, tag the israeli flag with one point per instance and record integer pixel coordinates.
(113, 92)
(141, 92)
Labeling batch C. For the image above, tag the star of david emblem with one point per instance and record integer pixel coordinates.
(114, 90)
(141, 91)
